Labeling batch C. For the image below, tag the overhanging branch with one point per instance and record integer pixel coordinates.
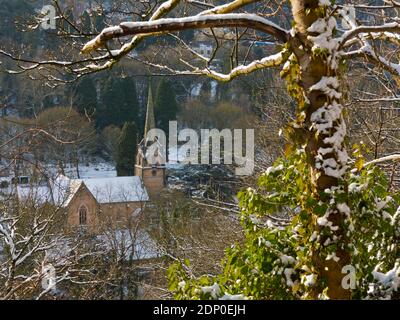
(163, 26)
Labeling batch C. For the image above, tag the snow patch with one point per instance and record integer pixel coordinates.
(214, 290)
(309, 280)
(273, 169)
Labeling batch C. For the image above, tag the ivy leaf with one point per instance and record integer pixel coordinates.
(359, 163)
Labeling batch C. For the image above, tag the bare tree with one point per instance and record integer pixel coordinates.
(30, 240)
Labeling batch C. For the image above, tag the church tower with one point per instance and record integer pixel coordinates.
(153, 175)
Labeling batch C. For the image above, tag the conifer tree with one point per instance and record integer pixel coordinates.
(126, 150)
(165, 105)
(86, 96)
(86, 23)
(119, 103)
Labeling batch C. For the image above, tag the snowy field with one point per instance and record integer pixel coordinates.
(96, 170)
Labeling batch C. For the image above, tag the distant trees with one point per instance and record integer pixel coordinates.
(91, 21)
(13, 144)
(197, 115)
(86, 96)
(206, 92)
(104, 107)
(119, 103)
(126, 150)
(165, 106)
(187, 35)
(86, 23)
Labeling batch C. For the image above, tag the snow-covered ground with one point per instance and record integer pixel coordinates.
(102, 169)
(95, 170)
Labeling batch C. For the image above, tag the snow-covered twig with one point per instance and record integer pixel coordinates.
(229, 7)
(393, 157)
(266, 62)
(360, 30)
(367, 52)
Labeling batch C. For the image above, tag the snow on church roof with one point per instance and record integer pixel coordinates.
(117, 190)
(61, 190)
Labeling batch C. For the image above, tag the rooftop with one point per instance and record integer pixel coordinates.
(61, 190)
(117, 189)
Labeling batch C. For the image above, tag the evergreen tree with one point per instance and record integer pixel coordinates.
(119, 103)
(165, 105)
(126, 150)
(99, 21)
(86, 22)
(65, 24)
(86, 96)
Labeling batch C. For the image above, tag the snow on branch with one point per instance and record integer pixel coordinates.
(107, 59)
(362, 30)
(194, 22)
(363, 33)
(166, 7)
(367, 51)
(228, 7)
(92, 64)
(383, 99)
(393, 157)
(270, 61)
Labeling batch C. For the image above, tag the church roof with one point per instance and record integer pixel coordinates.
(117, 190)
(61, 190)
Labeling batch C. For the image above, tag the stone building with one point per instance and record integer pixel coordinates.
(106, 201)
(91, 203)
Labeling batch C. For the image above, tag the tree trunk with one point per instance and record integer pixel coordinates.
(324, 139)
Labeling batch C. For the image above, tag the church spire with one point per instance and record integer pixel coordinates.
(150, 167)
(150, 119)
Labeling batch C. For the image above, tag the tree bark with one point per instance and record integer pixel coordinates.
(312, 69)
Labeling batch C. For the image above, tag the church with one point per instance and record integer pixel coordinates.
(95, 202)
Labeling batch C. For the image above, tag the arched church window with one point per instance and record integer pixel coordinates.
(83, 215)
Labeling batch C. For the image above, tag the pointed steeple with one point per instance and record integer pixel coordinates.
(150, 119)
(150, 167)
